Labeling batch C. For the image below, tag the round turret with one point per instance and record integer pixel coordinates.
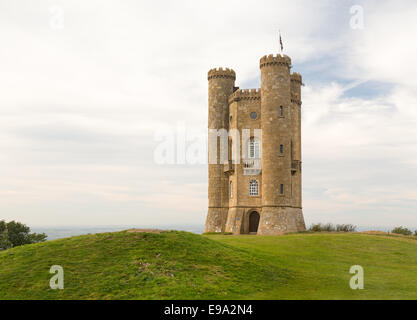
(221, 73)
(276, 129)
(221, 85)
(270, 60)
(296, 83)
(276, 142)
(296, 77)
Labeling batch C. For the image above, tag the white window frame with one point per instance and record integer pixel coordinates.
(231, 189)
(254, 188)
(254, 149)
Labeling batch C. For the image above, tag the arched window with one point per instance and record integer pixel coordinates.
(253, 188)
(254, 149)
(231, 189)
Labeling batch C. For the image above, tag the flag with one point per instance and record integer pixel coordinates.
(280, 42)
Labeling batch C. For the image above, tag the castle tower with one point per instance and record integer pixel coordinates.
(278, 132)
(296, 82)
(261, 192)
(221, 85)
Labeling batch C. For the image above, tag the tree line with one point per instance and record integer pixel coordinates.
(13, 234)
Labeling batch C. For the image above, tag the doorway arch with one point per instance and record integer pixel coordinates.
(254, 218)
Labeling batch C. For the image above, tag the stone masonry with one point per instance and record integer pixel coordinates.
(257, 188)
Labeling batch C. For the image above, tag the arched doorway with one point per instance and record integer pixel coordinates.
(254, 222)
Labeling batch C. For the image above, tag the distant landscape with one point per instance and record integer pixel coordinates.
(60, 232)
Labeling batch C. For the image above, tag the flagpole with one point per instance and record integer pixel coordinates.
(279, 43)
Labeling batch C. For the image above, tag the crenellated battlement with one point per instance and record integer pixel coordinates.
(270, 60)
(296, 77)
(261, 193)
(221, 73)
(245, 94)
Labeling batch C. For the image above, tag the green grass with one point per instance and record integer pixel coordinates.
(180, 265)
(320, 264)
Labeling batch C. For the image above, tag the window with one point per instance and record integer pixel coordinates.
(231, 189)
(281, 111)
(253, 188)
(281, 149)
(254, 149)
(281, 189)
(253, 115)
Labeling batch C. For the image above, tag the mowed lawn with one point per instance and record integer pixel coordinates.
(320, 264)
(181, 265)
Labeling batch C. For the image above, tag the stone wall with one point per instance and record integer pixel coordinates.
(230, 108)
(221, 85)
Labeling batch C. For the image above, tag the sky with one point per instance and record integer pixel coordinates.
(87, 87)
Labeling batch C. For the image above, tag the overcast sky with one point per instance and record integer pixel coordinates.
(86, 85)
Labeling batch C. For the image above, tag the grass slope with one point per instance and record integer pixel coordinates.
(122, 265)
(320, 264)
(180, 265)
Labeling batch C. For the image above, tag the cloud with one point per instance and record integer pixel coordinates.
(359, 157)
(80, 105)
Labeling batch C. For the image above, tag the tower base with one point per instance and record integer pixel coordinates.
(279, 220)
(235, 221)
(216, 220)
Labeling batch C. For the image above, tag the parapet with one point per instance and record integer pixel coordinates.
(221, 73)
(245, 94)
(296, 77)
(278, 59)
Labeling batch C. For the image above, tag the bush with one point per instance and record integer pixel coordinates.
(328, 227)
(345, 228)
(218, 233)
(13, 234)
(402, 230)
(315, 227)
(320, 227)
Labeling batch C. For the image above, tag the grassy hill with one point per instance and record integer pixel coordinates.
(180, 265)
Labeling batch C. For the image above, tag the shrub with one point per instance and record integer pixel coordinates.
(315, 227)
(345, 228)
(218, 233)
(328, 227)
(402, 230)
(320, 227)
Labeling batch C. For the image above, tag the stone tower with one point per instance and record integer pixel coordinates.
(221, 86)
(256, 188)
